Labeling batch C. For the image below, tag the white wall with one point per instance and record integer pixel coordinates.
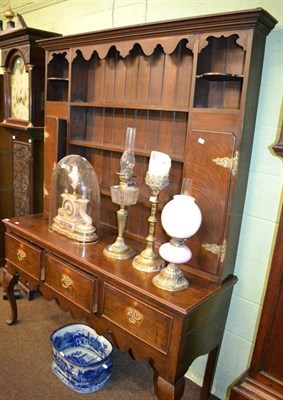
(264, 192)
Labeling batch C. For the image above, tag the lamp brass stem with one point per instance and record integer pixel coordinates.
(119, 249)
(149, 259)
(124, 194)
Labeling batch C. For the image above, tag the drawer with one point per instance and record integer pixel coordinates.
(139, 319)
(66, 280)
(23, 255)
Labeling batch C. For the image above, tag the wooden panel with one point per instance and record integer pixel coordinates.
(84, 87)
(218, 121)
(211, 178)
(54, 150)
(99, 72)
(274, 358)
(144, 79)
(267, 361)
(23, 255)
(61, 110)
(70, 283)
(139, 319)
(177, 77)
(6, 175)
(264, 379)
(251, 389)
(131, 82)
(22, 177)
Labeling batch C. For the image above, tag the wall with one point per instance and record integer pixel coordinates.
(264, 192)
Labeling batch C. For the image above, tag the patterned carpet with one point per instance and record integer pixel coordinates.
(25, 353)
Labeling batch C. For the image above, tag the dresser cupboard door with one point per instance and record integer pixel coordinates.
(211, 164)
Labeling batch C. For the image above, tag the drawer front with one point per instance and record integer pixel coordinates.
(71, 283)
(23, 255)
(139, 319)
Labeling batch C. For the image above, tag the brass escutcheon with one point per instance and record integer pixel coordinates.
(66, 282)
(134, 316)
(21, 255)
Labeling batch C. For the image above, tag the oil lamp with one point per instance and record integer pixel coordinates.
(157, 178)
(181, 219)
(124, 194)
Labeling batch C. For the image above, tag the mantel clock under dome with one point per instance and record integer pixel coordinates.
(75, 200)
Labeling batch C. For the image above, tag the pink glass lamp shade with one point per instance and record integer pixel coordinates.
(181, 219)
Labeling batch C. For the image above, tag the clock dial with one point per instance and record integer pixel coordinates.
(19, 89)
(69, 207)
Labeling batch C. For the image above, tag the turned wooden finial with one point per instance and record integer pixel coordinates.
(9, 14)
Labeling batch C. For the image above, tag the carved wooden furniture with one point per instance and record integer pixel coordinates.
(185, 85)
(6, 179)
(264, 379)
(23, 64)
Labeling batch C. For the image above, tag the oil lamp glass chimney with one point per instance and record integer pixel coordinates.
(124, 194)
(127, 161)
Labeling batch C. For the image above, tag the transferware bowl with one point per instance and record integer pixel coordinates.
(81, 358)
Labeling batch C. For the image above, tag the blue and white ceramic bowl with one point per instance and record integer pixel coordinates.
(81, 358)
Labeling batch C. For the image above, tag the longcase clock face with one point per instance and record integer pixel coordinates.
(19, 90)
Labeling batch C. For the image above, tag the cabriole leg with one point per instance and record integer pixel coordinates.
(9, 283)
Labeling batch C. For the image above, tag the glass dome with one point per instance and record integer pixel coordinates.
(75, 200)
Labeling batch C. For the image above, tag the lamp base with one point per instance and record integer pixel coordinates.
(119, 250)
(148, 264)
(171, 278)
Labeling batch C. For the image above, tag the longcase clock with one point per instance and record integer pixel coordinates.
(264, 379)
(23, 62)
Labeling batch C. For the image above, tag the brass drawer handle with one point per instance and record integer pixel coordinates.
(66, 282)
(21, 255)
(134, 317)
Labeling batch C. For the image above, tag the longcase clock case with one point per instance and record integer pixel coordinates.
(264, 378)
(23, 62)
